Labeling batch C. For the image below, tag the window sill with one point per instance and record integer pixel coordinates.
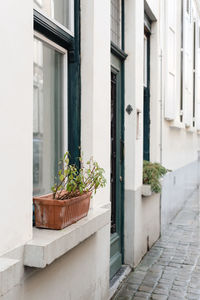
(146, 190)
(9, 274)
(191, 130)
(48, 245)
(177, 125)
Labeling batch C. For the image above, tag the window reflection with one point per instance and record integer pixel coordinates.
(57, 9)
(116, 22)
(47, 115)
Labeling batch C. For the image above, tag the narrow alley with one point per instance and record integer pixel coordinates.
(171, 269)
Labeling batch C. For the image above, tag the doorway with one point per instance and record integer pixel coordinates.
(146, 83)
(117, 167)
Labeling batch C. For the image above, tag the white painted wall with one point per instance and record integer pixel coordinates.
(134, 22)
(153, 6)
(134, 32)
(179, 145)
(170, 142)
(147, 223)
(80, 274)
(95, 87)
(177, 187)
(73, 276)
(16, 62)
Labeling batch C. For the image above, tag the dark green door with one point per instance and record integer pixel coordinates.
(146, 109)
(117, 161)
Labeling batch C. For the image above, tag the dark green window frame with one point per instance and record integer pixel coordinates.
(56, 34)
(120, 54)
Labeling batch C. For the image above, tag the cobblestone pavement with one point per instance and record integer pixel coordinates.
(171, 269)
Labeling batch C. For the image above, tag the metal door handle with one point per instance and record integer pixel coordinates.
(120, 178)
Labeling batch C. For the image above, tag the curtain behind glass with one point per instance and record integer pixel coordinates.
(47, 116)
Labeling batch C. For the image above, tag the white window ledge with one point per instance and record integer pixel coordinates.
(177, 125)
(146, 190)
(48, 245)
(9, 274)
(191, 130)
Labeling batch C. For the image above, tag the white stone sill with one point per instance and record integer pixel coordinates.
(9, 274)
(191, 130)
(181, 125)
(146, 190)
(48, 245)
(177, 125)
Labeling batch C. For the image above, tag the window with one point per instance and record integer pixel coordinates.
(48, 119)
(60, 12)
(199, 37)
(188, 6)
(145, 62)
(56, 79)
(116, 22)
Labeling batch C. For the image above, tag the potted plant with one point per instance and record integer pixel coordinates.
(70, 197)
(152, 172)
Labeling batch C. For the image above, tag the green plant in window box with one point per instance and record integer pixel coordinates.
(71, 195)
(73, 182)
(152, 172)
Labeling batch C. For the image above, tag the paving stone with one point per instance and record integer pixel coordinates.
(162, 286)
(134, 280)
(179, 283)
(150, 283)
(123, 298)
(177, 294)
(179, 288)
(142, 295)
(171, 269)
(140, 298)
(158, 297)
(168, 276)
(126, 293)
(195, 285)
(145, 288)
(161, 291)
(166, 281)
(193, 296)
(132, 287)
(194, 291)
(175, 298)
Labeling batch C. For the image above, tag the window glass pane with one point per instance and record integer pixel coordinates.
(116, 22)
(188, 6)
(60, 10)
(145, 62)
(47, 115)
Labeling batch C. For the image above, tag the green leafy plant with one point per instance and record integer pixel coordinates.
(152, 172)
(72, 182)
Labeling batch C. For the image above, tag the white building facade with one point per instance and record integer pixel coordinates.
(121, 79)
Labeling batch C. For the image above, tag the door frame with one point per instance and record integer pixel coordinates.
(146, 108)
(120, 172)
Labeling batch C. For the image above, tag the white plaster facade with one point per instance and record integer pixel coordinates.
(83, 271)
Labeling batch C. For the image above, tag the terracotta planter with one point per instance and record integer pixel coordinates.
(57, 214)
